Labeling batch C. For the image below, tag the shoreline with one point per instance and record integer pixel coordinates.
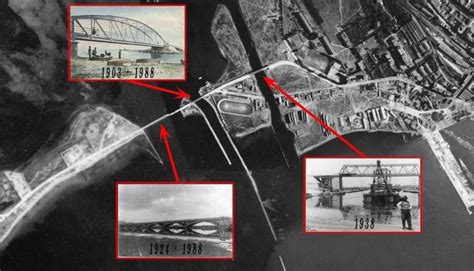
(56, 182)
(165, 236)
(327, 140)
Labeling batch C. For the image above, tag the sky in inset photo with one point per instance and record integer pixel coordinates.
(161, 202)
(332, 166)
(168, 21)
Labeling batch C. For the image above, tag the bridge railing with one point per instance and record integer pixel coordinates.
(397, 170)
(114, 29)
(220, 227)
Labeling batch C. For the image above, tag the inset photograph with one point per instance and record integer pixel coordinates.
(362, 195)
(126, 42)
(174, 220)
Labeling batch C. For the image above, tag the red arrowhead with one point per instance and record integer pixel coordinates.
(163, 132)
(273, 85)
(270, 82)
(182, 94)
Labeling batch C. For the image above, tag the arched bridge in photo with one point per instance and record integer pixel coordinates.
(114, 29)
(354, 170)
(217, 227)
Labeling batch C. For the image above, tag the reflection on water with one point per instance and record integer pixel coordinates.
(324, 210)
(204, 232)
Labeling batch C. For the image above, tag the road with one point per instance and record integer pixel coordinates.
(451, 167)
(26, 204)
(29, 201)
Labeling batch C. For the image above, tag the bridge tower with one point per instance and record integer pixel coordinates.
(381, 190)
(74, 49)
(224, 228)
(73, 41)
(157, 51)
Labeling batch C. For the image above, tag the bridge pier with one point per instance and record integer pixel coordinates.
(74, 49)
(221, 225)
(224, 228)
(156, 51)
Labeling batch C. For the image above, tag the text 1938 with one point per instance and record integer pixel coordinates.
(364, 223)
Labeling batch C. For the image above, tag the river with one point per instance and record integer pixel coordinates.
(78, 232)
(446, 241)
(339, 212)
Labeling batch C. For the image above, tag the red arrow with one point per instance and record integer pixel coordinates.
(164, 136)
(272, 84)
(180, 94)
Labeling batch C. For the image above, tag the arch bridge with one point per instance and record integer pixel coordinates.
(114, 29)
(217, 227)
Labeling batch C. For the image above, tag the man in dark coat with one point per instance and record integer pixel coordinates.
(405, 209)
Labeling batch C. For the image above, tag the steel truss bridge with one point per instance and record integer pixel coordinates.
(114, 29)
(353, 170)
(217, 227)
(396, 170)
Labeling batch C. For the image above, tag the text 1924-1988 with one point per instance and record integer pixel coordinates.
(166, 249)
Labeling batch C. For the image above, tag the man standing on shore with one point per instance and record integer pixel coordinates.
(405, 209)
(89, 52)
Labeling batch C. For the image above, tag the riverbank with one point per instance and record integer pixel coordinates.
(446, 224)
(138, 245)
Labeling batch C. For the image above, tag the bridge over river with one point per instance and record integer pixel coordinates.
(354, 170)
(115, 29)
(217, 227)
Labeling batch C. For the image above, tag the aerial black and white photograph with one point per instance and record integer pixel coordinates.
(363, 195)
(174, 220)
(127, 42)
(95, 92)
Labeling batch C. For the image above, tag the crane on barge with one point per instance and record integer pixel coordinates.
(381, 190)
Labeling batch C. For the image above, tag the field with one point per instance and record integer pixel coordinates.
(348, 9)
(328, 12)
(225, 33)
(333, 14)
(290, 78)
(265, 29)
